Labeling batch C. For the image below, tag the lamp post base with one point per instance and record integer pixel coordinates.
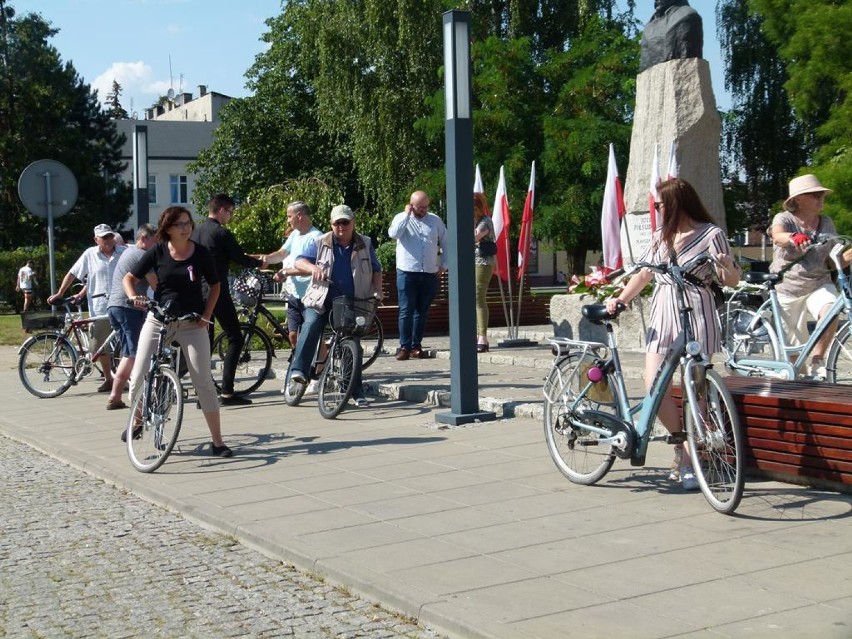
(460, 419)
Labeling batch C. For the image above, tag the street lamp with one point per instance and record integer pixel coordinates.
(140, 173)
(458, 139)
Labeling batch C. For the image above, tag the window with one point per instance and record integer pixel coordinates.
(179, 189)
(152, 188)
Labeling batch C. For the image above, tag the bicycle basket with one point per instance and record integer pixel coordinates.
(351, 316)
(42, 321)
(741, 321)
(248, 287)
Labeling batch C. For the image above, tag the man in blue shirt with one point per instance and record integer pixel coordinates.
(421, 259)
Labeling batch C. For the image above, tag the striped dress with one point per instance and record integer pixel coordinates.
(665, 320)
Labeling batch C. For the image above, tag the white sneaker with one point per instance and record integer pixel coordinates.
(313, 387)
(362, 402)
(688, 479)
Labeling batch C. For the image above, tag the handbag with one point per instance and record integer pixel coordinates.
(487, 248)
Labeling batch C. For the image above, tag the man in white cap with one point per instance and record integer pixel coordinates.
(807, 287)
(341, 262)
(96, 266)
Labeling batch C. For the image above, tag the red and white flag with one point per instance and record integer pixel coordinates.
(674, 167)
(501, 229)
(526, 227)
(479, 188)
(611, 215)
(653, 195)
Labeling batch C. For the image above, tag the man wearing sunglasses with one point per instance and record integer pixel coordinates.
(341, 262)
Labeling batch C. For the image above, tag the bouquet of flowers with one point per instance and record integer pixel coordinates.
(597, 284)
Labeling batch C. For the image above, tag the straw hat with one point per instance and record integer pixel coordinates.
(804, 184)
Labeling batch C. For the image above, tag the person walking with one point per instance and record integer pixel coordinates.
(224, 248)
(484, 259)
(807, 289)
(421, 259)
(179, 265)
(687, 231)
(97, 266)
(25, 283)
(341, 262)
(123, 318)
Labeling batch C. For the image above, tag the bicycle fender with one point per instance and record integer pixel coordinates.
(59, 338)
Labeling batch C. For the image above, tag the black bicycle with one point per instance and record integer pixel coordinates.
(255, 361)
(336, 372)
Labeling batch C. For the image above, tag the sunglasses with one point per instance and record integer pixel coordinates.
(658, 205)
(341, 223)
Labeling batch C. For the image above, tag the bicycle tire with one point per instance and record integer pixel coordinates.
(759, 342)
(154, 421)
(372, 343)
(46, 364)
(293, 391)
(335, 384)
(838, 367)
(253, 364)
(576, 452)
(717, 453)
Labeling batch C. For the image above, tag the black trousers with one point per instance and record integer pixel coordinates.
(226, 314)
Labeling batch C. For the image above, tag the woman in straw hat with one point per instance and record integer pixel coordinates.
(807, 287)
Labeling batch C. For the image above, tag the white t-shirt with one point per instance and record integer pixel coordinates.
(26, 275)
(297, 285)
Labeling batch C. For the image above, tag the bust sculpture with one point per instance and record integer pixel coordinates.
(674, 31)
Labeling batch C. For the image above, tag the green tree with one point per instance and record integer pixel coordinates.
(47, 111)
(113, 102)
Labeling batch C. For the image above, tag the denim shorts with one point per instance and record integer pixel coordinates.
(128, 322)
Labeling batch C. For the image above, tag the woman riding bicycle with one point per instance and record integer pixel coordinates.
(807, 286)
(687, 231)
(180, 264)
(341, 262)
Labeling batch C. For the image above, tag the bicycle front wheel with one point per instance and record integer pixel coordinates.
(577, 452)
(293, 391)
(46, 364)
(372, 343)
(839, 363)
(253, 363)
(156, 414)
(335, 385)
(715, 440)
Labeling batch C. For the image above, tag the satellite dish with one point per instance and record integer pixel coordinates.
(170, 94)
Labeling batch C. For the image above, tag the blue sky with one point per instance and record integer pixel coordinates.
(150, 46)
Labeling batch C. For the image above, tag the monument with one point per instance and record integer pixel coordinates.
(674, 103)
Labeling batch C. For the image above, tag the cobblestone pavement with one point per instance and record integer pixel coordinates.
(79, 558)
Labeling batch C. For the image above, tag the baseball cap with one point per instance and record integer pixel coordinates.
(341, 212)
(102, 230)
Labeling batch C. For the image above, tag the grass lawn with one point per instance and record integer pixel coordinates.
(11, 333)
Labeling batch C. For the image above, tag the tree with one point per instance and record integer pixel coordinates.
(69, 127)
(113, 101)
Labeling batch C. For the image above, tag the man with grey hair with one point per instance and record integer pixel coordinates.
(125, 319)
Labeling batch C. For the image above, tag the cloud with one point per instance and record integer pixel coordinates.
(138, 84)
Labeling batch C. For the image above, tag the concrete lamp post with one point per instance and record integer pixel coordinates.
(464, 373)
(140, 173)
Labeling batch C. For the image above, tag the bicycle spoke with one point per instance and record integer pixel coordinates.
(155, 419)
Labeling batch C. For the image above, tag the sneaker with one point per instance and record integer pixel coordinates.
(688, 479)
(362, 402)
(674, 474)
(313, 387)
(137, 433)
(298, 377)
(221, 451)
(234, 400)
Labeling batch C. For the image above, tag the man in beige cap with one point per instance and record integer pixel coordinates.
(807, 288)
(96, 266)
(341, 262)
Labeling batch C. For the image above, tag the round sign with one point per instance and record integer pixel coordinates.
(33, 188)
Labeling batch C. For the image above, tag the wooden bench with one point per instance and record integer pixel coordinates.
(799, 432)
(534, 310)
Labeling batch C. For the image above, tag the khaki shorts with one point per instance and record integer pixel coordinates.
(796, 310)
(100, 331)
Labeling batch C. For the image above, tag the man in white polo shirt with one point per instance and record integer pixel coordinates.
(96, 265)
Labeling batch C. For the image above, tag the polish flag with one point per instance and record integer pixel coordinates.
(478, 188)
(674, 167)
(526, 226)
(653, 195)
(611, 215)
(501, 229)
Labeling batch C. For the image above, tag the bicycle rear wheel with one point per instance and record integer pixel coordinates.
(839, 363)
(372, 343)
(156, 414)
(716, 442)
(293, 391)
(46, 364)
(577, 452)
(253, 363)
(335, 385)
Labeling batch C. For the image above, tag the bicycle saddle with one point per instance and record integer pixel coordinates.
(597, 313)
(760, 278)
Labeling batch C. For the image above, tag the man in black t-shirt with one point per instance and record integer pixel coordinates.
(225, 249)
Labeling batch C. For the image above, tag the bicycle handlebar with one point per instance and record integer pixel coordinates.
(167, 312)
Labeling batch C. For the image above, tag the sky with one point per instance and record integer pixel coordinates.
(150, 46)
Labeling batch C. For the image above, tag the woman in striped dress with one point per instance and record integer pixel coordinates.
(687, 230)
